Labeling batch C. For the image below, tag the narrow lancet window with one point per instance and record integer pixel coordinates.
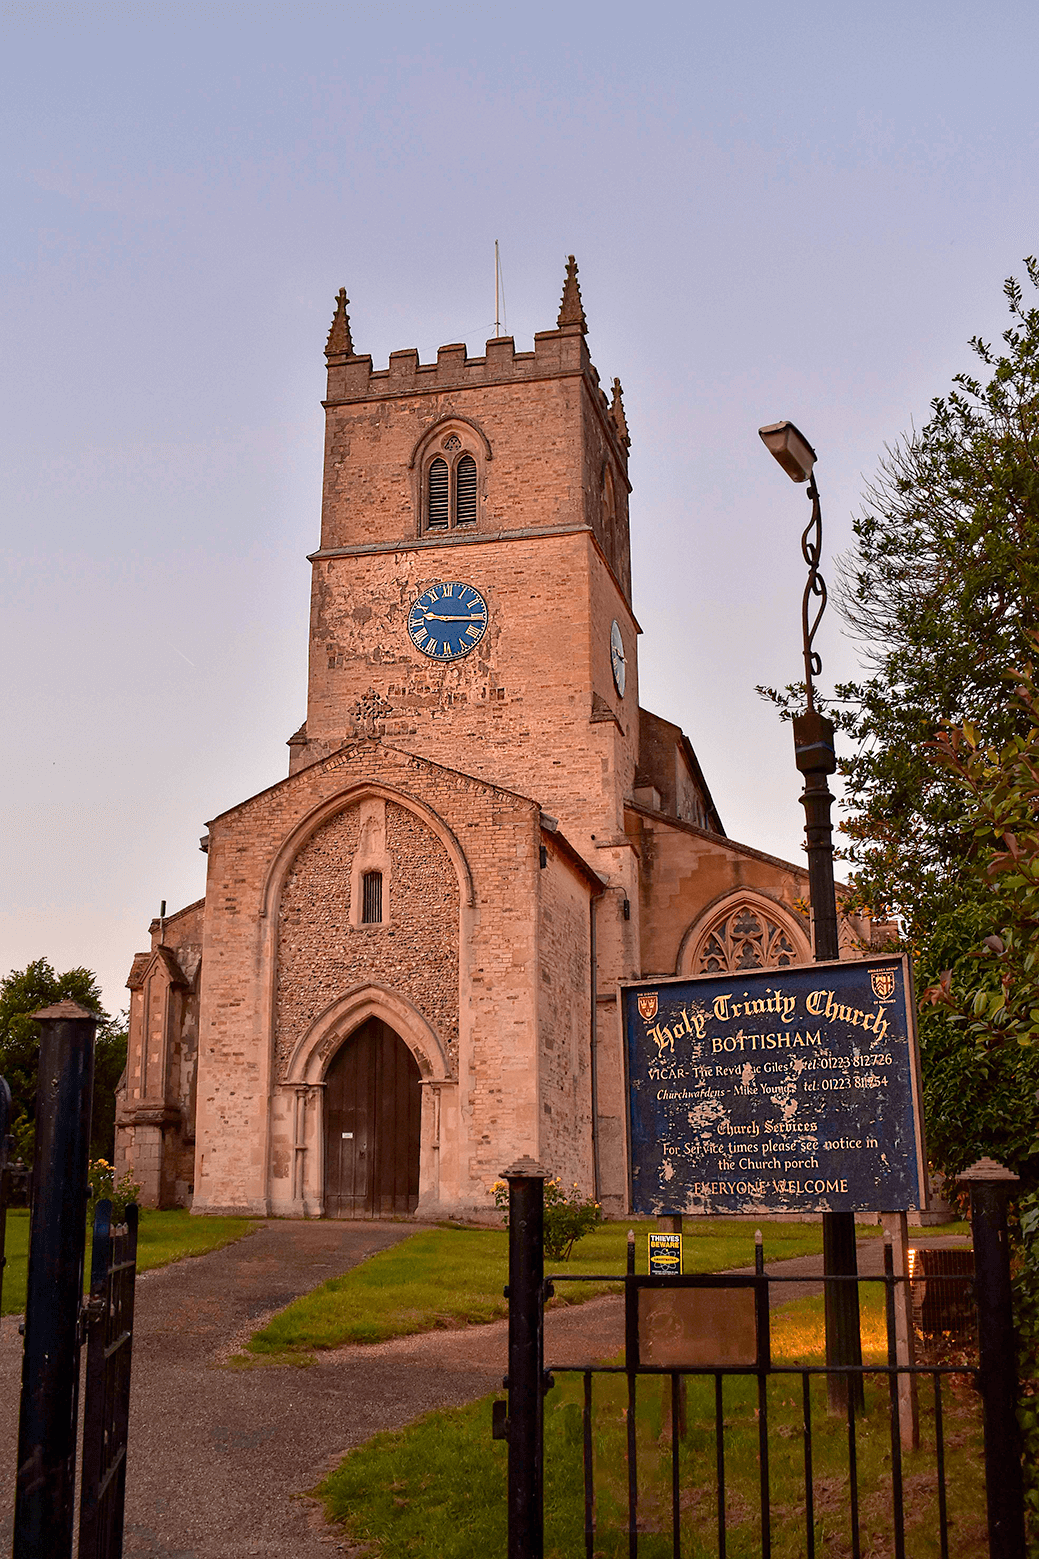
(465, 491)
(437, 513)
(371, 899)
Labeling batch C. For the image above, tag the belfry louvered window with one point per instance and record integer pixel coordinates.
(465, 491)
(438, 509)
(371, 899)
(452, 485)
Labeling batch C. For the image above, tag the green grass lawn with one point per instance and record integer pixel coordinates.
(453, 1276)
(162, 1237)
(410, 1493)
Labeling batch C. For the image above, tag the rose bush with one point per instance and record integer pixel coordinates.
(569, 1216)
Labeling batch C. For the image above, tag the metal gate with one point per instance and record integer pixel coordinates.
(106, 1410)
(667, 1446)
(57, 1321)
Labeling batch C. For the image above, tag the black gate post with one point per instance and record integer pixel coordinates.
(526, 1358)
(5, 1126)
(45, 1490)
(816, 759)
(989, 1185)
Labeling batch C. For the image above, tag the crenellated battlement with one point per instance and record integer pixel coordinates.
(559, 353)
(352, 377)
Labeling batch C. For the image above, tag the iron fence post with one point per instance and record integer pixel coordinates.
(526, 1181)
(45, 1488)
(896, 1234)
(990, 1185)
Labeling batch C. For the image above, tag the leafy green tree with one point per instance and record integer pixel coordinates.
(984, 1023)
(989, 1000)
(941, 588)
(24, 992)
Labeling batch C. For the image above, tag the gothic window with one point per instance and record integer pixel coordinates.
(451, 488)
(371, 899)
(746, 938)
(465, 491)
(438, 504)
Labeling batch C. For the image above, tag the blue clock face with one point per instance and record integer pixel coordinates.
(447, 620)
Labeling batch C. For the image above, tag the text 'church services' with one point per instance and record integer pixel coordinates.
(404, 974)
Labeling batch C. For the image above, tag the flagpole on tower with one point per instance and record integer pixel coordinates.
(497, 290)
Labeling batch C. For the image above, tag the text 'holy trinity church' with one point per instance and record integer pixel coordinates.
(404, 974)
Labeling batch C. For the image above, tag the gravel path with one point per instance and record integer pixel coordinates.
(219, 1459)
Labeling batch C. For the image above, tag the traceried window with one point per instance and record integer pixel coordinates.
(747, 938)
(371, 899)
(451, 489)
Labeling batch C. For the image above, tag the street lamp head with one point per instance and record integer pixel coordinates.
(790, 447)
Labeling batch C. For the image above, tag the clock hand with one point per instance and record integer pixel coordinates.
(436, 617)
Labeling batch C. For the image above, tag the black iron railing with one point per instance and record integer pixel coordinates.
(663, 1476)
(680, 1473)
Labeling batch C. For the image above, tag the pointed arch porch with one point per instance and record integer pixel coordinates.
(295, 1179)
(299, 1106)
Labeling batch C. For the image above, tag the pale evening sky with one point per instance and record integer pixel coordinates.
(802, 211)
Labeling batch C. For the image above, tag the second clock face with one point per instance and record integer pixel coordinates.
(617, 660)
(447, 620)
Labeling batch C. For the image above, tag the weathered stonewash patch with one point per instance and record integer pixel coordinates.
(413, 951)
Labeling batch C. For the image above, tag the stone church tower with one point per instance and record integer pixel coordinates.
(404, 973)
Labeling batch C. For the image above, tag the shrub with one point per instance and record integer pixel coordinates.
(104, 1186)
(569, 1216)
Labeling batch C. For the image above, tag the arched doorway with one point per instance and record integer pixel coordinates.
(373, 1112)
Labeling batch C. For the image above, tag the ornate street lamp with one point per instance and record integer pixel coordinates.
(813, 733)
(816, 759)
(789, 446)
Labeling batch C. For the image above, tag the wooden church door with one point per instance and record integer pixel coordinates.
(373, 1111)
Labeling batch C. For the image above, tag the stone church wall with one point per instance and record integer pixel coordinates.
(564, 1023)
(508, 710)
(532, 478)
(686, 870)
(155, 1101)
(324, 950)
(488, 885)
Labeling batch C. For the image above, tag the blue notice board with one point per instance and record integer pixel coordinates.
(775, 1090)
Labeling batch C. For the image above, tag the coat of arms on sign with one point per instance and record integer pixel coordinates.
(648, 1007)
(883, 983)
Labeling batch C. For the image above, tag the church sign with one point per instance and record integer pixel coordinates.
(775, 1090)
